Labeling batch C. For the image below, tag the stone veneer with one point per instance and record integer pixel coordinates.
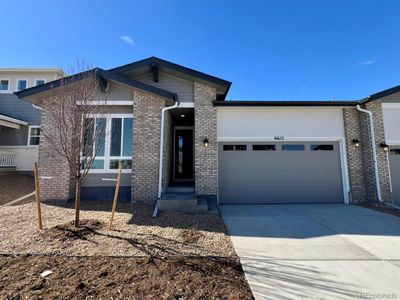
(205, 126)
(146, 146)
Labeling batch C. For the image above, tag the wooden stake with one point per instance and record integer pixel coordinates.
(114, 207)
(37, 196)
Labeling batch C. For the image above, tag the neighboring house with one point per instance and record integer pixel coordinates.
(233, 152)
(19, 119)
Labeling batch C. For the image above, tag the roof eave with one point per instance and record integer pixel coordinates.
(283, 103)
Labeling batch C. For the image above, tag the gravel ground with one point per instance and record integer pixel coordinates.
(135, 232)
(13, 186)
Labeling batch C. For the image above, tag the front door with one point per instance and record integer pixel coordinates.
(183, 155)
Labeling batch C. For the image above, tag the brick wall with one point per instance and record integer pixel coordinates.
(206, 159)
(383, 166)
(355, 160)
(168, 149)
(146, 146)
(60, 186)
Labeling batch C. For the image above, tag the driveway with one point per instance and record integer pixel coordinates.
(316, 251)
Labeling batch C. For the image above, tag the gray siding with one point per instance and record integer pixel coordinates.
(12, 106)
(183, 88)
(93, 180)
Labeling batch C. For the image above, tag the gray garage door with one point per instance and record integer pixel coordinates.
(279, 173)
(394, 159)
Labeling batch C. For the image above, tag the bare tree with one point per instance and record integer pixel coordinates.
(76, 135)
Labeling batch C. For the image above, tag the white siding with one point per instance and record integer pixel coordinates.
(293, 123)
(24, 156)
(391, 120)
(183, 88)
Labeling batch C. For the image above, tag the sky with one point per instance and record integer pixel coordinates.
(269, 50)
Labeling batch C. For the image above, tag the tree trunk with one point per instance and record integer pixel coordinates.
(77, 201)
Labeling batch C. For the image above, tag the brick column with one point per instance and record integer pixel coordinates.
(355, 160)
(206, 159)
(383, 166)
(146, 146)
(59, 185)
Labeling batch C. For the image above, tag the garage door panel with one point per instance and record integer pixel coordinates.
(280, 176)
(394, 161)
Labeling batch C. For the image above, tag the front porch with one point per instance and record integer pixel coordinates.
(178, 191)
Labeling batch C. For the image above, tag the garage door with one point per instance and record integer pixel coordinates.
(287, 172)
(394, 160)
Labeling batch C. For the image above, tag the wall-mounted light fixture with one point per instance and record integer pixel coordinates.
(206, 143)
(385, 147)
(356, 142)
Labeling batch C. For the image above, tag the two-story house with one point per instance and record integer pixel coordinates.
(19, 119)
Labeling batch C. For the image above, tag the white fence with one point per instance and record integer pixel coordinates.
(7, 159)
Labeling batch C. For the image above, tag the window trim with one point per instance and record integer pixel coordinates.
(36, 80)
(29, 135)
(107, 157)
(17, 81)
(8, 90)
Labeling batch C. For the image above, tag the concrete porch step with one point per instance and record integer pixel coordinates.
(182, 202)
(180, 189)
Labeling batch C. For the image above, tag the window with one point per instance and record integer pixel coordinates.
(22, 84)
(293, 147)
(4, 84)
(234, 147)
(114, 145)
(321, 147)
(34, 136)
(263, 147)
(40, 81)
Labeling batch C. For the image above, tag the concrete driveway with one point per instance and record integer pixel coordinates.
(316, 251)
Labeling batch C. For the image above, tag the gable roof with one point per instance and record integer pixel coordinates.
(158, 62)
(102, 75)
(384, 93)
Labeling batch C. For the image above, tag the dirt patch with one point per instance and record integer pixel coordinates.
(68, 231)
(135, 232)
(13, 186)
(122, 278)
(191, 235)
(382, 208)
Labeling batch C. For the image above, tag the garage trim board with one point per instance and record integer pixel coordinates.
(308, 140)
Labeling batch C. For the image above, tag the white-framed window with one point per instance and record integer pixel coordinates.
(21, 84)
(34, 136)
(4, 85)
(116, 144)
(40, 81)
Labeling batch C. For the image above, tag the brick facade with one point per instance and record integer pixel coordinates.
(383, 166)
(168, 151)
(58, 183)
(146, 146)
(355, 157)
(205, 126)
(360, 160)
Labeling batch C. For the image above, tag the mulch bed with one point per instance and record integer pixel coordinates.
(122, 278)
(13, 186)
(382, 208)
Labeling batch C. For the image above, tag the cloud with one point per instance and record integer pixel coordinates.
(367, 62)
(127, 39)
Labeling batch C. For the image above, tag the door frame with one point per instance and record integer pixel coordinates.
(342, 154)
(174, 150)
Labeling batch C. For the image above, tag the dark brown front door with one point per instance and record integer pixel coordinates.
(183, 155)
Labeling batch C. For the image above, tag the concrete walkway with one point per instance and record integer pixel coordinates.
(316, 251)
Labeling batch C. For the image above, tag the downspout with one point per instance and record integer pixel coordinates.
(371, 123)
(160, 168)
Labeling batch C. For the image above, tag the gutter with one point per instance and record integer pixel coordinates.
(162, 146)
(371, 123)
